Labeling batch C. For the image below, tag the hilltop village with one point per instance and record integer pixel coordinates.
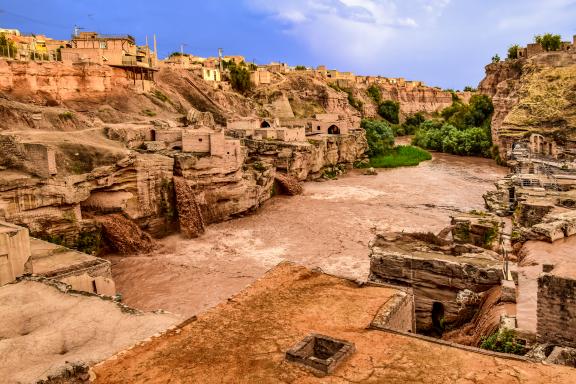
(105, 149)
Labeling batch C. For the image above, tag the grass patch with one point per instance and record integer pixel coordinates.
(401, 156)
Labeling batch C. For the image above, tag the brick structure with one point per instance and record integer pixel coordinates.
(557, 309)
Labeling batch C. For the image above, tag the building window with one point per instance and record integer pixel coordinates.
(103, 45)
(200, 140)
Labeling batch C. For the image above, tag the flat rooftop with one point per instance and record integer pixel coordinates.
(43, 329)
(244, 340)
(48, 258)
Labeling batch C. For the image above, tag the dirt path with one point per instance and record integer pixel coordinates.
(329, 226)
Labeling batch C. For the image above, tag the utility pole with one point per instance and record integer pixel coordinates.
(155, 48)
(220, 60)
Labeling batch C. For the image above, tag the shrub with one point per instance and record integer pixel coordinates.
(549, 41)
(503, 341)
(470, 89)
(375, 94)
(390, 110)
(240, 78)
(148, 112)
(513, 52)
(379, 135)
(300, 68)
(66, 115)
(160, 96)
(7, 46)
(410, 126)
(496, 58)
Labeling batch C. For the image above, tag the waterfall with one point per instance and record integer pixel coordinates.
(125, 235)
(189, 214)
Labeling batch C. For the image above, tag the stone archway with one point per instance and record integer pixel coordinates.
(265, 124)
(333, 130)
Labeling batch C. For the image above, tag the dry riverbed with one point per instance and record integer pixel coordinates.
(329, 227)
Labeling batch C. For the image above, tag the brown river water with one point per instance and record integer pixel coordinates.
(329, 226)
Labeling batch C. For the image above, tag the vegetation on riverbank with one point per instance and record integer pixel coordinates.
(401, 156)
(381, 150)
(462, 129)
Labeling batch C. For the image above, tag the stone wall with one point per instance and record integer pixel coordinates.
(396, 314)
(557, 310)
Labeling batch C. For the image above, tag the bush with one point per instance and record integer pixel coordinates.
(449, 139)
(513, 52)
(410, 126)
(496, 58)
(300, 68)
(549, 41)
(375, 94)
(239, 78)
(470, 89)
(66, 115)
(390, 110)
(7, 46)
(503, 341)
(380, 137)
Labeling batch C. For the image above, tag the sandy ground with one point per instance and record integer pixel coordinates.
(560, 254)
(329, 226)
(244, 341)
(43, 329)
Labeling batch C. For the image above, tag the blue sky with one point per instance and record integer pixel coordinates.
(442, 42)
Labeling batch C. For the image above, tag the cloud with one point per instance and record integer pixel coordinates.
(349, 30)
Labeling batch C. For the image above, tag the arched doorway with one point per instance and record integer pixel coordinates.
(333, 130)
(265, 124)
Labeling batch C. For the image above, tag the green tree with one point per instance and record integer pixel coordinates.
(300, 68)
(240, 78)
(7, 46)
(390, 111)
(470, 89)
(375, 93)
(175, 54)
(513, 52)
(549, 41)
(496, 58)
(379, 136)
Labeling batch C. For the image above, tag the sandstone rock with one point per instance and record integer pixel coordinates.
(125, 236)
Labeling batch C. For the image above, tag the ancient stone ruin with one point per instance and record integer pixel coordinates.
(320, 352)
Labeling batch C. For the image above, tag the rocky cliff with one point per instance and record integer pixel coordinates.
(535, 95)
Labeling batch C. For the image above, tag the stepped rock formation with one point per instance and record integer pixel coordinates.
(446, 279)
(189, 213)
(125, 236)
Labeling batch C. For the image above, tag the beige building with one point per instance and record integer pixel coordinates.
(261, 76)
(211, 74)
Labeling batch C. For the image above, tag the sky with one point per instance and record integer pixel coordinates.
(444, 43)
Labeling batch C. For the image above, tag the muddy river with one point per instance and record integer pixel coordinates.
(329, 227)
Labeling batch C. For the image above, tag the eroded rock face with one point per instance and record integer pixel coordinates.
(307, 160)
(444, 278)
(532, 96)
